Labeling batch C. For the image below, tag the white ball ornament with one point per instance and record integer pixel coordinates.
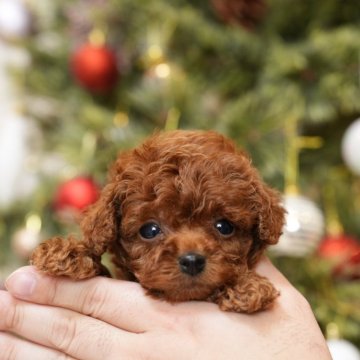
(350, 147)
(343, 350)
(303, 229)
(15, 19)
(25, 240)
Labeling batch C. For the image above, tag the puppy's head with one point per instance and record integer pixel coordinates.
(184, 214)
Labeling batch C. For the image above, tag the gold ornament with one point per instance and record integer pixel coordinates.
(304, 221)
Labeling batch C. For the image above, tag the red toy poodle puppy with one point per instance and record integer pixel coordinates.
(186, 216)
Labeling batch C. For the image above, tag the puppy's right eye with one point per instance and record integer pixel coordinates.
(224, 227)
(150, 231)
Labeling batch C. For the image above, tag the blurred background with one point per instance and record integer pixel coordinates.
(82, 80)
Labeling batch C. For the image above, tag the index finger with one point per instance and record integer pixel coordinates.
(119, 303)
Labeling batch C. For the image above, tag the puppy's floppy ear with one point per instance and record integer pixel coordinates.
(270, 220)
(100, 224)
(271, 216)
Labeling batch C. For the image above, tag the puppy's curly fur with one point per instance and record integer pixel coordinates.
(186, 216)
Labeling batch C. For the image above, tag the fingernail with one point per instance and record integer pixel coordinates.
(21, 283)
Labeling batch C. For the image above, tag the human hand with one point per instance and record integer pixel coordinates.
(104, 318)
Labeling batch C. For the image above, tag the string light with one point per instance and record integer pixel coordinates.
(33, 223)
(155, 53)
(162, 70)
(121, 119)
(97, 37)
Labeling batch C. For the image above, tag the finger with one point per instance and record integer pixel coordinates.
(74, 334)
(13, 348)
(120, 303)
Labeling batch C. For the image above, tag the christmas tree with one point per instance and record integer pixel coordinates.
(279, 77)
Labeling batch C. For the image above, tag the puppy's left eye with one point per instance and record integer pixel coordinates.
(224, 227)
(150, 231)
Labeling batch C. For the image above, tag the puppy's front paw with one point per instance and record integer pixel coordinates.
(65, 257)
(252, 293)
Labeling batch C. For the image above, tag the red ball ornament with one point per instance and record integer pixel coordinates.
(349, 269)
(338, 247)
(76, 194)
(95, 68)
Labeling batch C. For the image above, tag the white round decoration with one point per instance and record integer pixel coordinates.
(15, 19)
(351, 147)
(27, 238)
(343, 350)
(303, 229)
(25, 241)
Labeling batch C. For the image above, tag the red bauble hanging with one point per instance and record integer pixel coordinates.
(338, 247)
(95, 68)
(76, 194)
(349, 269)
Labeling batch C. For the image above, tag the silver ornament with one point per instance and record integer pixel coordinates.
(343, 350)
(350, 147)
(304, 227)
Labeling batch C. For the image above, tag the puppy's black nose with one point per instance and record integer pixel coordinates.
(192, 263)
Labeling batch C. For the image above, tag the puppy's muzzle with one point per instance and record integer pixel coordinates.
(192, 263)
